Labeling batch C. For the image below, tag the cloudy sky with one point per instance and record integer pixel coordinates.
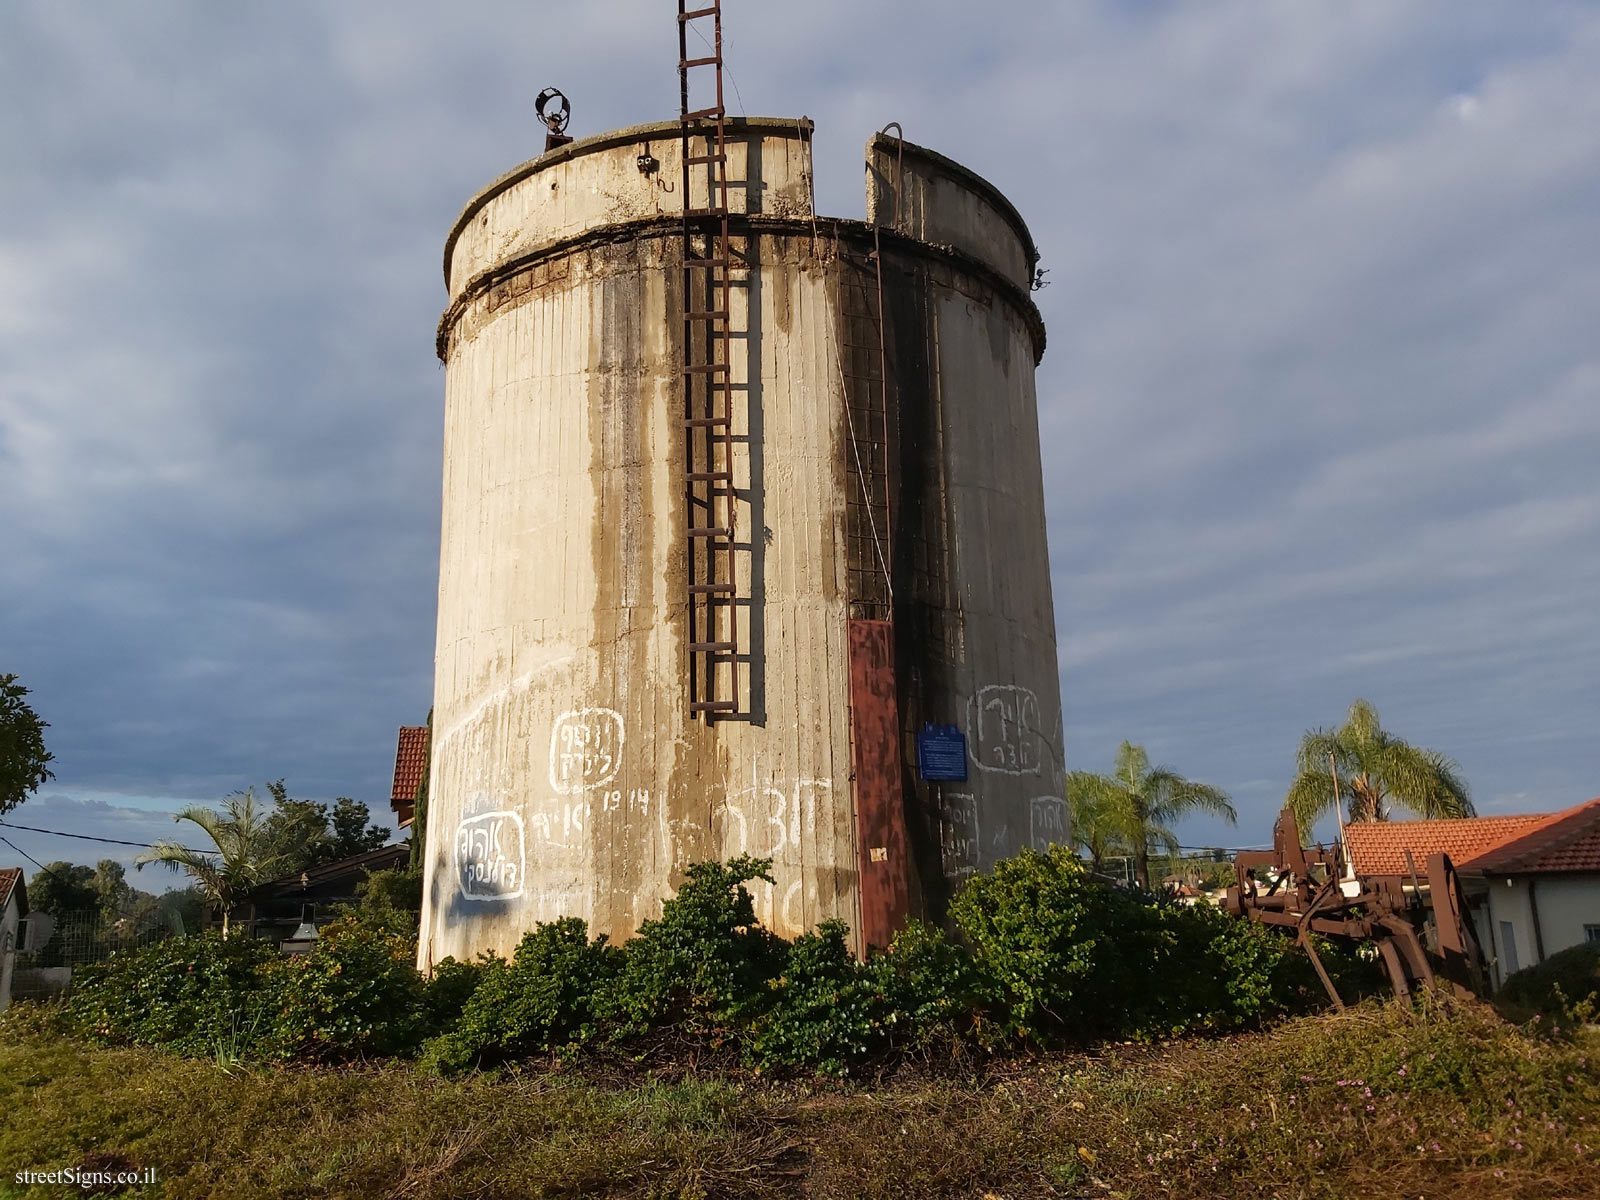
(1321, 404)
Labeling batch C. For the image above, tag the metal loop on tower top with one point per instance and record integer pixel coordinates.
(556, 119)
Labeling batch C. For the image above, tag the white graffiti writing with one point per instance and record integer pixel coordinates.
(1047, 822)
(1003, 729)
(491, 860)
(783, 810)
(585, 749)
(560, 823)
(958, 834)
(635, 800)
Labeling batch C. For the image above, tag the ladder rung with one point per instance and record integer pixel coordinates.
(706, 158)
(711, 589)
(695, 14)
(708, 262)
(712, 647)
(700, 114)
(708, 476)
(704, 422)
(711, 531)
(710, 314)
(684, 63)
(713, 706)
(705, 212)
(705, 368)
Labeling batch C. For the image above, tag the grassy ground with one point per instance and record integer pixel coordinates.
(1375, 1102)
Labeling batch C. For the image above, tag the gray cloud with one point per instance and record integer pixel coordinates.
(1320, 404)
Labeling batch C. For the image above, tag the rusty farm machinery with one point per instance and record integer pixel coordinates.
(1419, 922)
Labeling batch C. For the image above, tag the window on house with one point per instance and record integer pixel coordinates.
(1591, 933)
(1508, 948)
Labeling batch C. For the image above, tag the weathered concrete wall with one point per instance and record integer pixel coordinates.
(973, 606)
(599, 181)
(921, 193)
(567, 777)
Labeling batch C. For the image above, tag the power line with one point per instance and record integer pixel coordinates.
(31, 859)
(87, 837)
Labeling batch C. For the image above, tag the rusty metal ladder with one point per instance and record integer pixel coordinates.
(709, 493)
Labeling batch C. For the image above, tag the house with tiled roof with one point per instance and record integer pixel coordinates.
(1533, 878)
(410, 760)
(13, 907)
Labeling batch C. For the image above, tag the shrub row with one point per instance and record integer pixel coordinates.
(1043, 956)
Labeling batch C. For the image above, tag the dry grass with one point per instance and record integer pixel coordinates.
(1460, 1105)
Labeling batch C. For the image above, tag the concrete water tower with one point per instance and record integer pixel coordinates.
(738, 500)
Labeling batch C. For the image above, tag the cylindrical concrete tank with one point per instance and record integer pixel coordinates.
(889, 548)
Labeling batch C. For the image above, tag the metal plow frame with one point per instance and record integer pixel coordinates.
(1422, 928)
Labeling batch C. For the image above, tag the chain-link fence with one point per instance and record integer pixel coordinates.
(89, 937)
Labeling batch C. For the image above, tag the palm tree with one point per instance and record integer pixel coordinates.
(245, 853)
(1139, 804)
(1375, 767)
(1098, 824)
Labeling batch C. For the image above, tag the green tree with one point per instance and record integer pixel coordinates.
(63, 889)
(1141, 803)
(297, 830)
(1375, 768)
(353, 831)
(245, 854)
(308, 834)
(24, 762)
(110, 886)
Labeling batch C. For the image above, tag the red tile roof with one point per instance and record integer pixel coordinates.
(11, 881)
(1564, 841)
(1378, 847)
(410, 756)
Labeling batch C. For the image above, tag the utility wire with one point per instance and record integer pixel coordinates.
(32, 859)
(87, 837)
(726, 43)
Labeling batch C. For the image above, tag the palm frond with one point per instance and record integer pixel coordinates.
(1425, 781)
(1315, 747)
(1133, 765)
(1098, 805)
(1162, 837)
(1310, 796)
(1174, 797)
(1374, 766)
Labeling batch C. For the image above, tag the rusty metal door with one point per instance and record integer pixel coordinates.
(882, 848)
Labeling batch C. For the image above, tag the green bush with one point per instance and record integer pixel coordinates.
(1047, 955)
(1067, 957)
(1219, 973)
(1566, 984)
(543, 1000)
(357, 993)
(703, 967)
(446, 992)
(940, 990)
(398, 889)
(1064, 956)
(200, 994)
(829, 1011)
(826, 1009)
